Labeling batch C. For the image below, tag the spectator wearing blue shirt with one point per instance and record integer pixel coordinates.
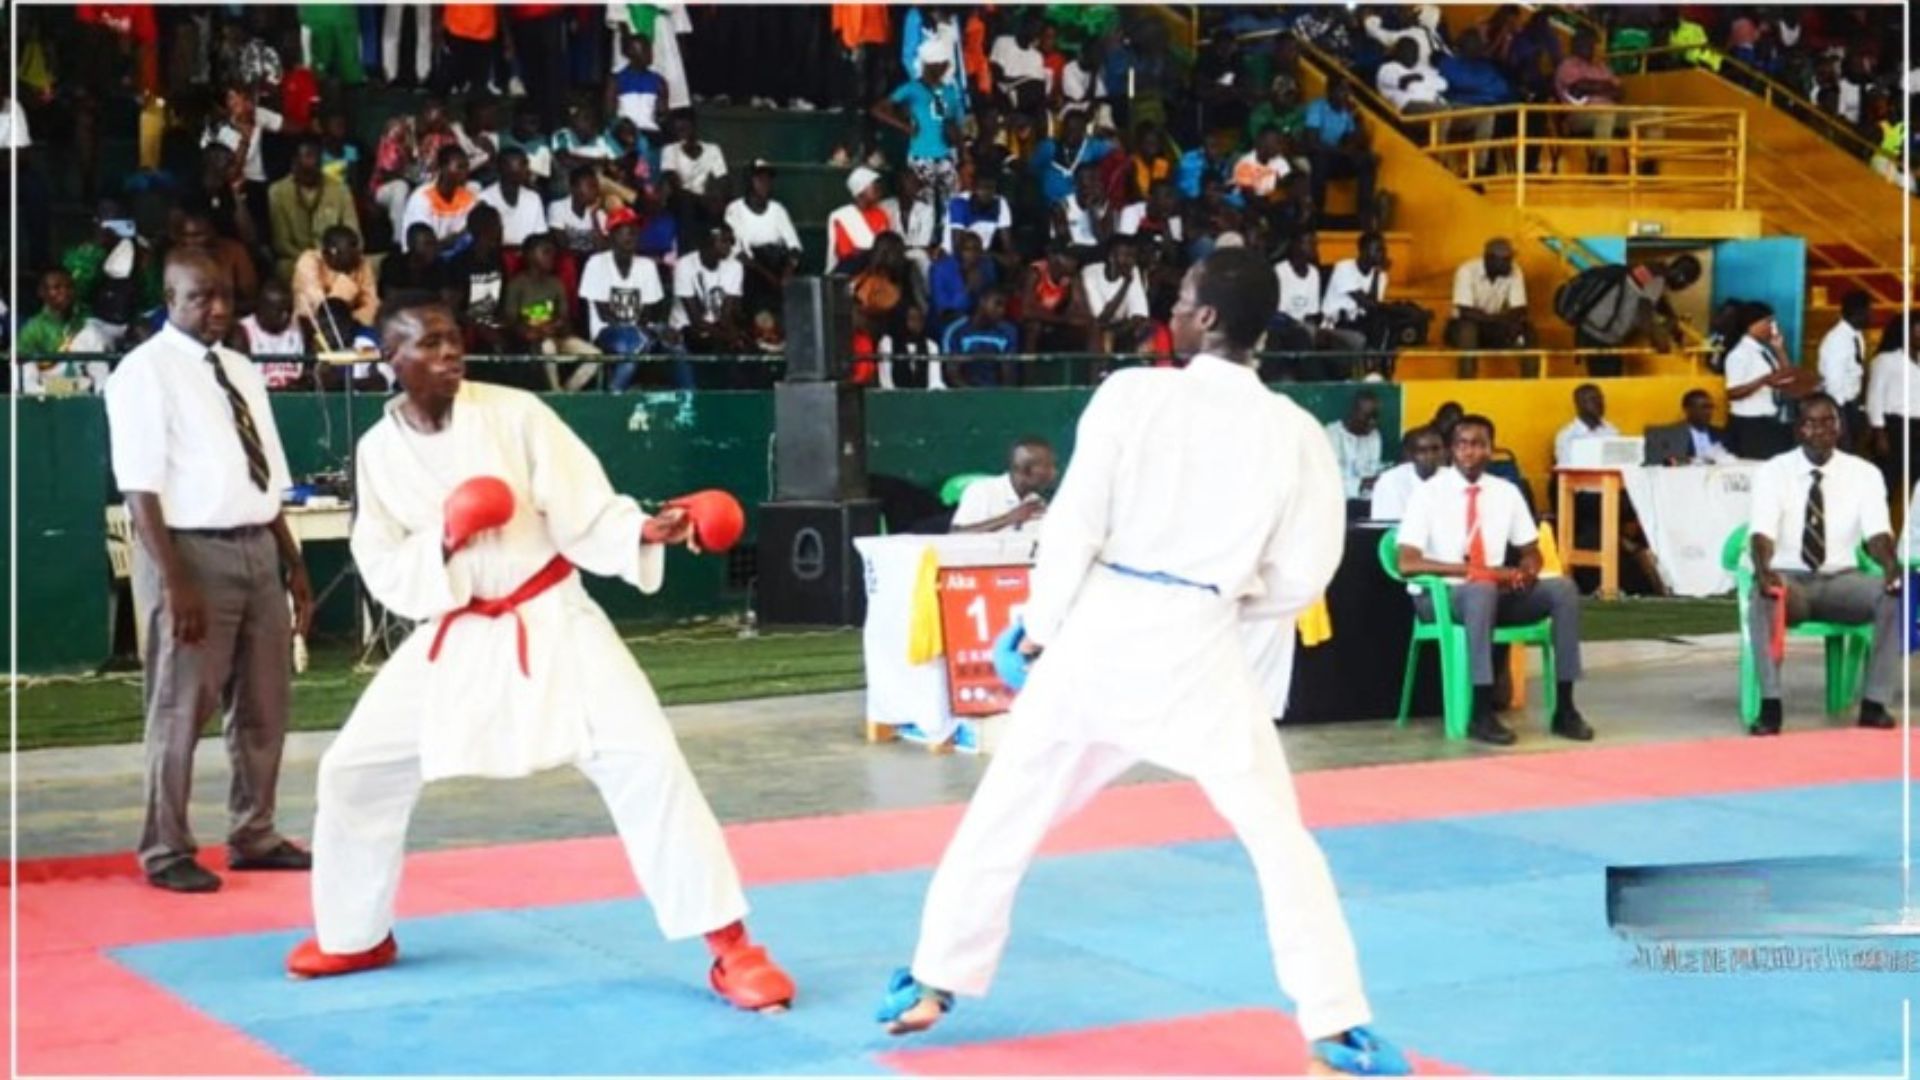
(986, 331)
(1056, 160)
(1211, 160)
(957, 279)
(1475, 82)
(637, 92)
(928, 110)
(984, 212)
(1337, 148)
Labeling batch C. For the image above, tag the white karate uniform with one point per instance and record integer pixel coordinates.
(473, 712)
(1136, 670)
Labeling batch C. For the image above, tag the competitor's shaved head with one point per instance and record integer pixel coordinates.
(421, 338)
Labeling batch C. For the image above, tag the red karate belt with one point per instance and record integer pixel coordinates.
(550, 575)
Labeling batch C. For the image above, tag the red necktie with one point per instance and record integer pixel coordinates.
(1476, 546)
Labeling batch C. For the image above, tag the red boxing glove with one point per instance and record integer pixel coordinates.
(482, 503)
(718, 520)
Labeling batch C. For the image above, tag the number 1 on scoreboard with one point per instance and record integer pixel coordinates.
(977, 611)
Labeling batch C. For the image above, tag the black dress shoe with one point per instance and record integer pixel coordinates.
(1875, 715)
(1487, 728)
(184, 876)
(1768, 722)
(1569, 724)
(281, 856)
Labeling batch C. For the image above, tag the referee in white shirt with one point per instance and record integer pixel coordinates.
(197, 456)
(1812, 508)
(1459, 525)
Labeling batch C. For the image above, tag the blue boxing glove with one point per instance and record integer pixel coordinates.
(1008, 662)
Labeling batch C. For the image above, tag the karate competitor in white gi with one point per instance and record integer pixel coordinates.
(1195, 497)
(476, 503)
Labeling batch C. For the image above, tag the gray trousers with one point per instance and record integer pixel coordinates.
(1481, 606)
(1846, 597)
(242, 668)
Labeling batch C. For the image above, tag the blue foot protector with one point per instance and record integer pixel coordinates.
(1360, 1052)
(903, 993)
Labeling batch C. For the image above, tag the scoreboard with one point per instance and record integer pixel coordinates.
(976, 604)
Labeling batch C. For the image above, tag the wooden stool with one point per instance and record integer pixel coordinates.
(1606, 558)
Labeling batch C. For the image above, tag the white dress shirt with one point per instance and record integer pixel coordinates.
(1576, 430)
(989, 498)
(1345, 280)
(1472, 288)
(1843, 357)
(1359, 455)
(1745, 362)
(1852, 491)
(1393, 490)
(1436, 518)
(1890, 388)
(1299, 293)
(173, 434)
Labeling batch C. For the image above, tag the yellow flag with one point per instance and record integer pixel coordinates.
(1549, 554)
(924, 640)
(1316, 624)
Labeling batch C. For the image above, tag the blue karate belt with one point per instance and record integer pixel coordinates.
(1160, 577)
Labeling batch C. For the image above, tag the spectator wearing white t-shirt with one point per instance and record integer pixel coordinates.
(766, 242)
(702, 172)
(1300, 325)
(1020, 75)
(1117, 296)
(1358, 286)
(271, 332)
(622, 290)
(1410, 83)
(522, 214)
(1083, 87)
(1893, 416)
(708, 287)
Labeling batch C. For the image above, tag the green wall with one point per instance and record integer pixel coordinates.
(654, 446)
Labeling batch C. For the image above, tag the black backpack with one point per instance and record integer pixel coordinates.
(1579, 295)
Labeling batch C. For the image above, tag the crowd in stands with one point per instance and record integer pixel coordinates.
(1019, 180)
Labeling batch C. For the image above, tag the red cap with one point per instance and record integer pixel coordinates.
(622, 216)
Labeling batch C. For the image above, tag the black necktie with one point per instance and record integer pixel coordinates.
(242, 424)
(1813, 538)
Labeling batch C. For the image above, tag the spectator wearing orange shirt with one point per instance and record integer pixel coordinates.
(470, 32)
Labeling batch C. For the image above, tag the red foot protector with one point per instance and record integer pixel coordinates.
(748, 977)
(718, 520)
(306, 961)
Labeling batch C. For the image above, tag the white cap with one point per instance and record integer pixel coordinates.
(934, 51)
(860, 180)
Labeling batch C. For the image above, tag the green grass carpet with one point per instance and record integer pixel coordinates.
(687, 666)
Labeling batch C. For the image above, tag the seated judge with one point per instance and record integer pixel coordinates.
(1692, 441)
(1015, 500)
(1391, 491)
(1462, 525)
(1812, 508)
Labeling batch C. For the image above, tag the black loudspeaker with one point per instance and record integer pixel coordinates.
(810, 575)
(819, 324)
(820, 441)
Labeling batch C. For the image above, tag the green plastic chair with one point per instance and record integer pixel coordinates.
(1456, 667)
(957, 486)
(1847, 643)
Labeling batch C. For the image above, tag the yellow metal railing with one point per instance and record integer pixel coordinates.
(1704, 148)
(1688, 157)
(1770, 90)
(1537, 359)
